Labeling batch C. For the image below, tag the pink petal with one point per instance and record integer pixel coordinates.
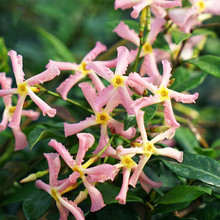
(17, 65)
(137, 172)
(64, 213)
(5, 119)
(126, 99)
(158, 11)
(121, 197)
(101, 173)
(33, 115)
(45, 76)
(169, 115)
(68, 83)
(45, 108)
(104, 97)
(99, 48)
(107, 63)
(122, 60)
(168, 4)
(145, 101)
(41, 185)
(147, 184)
(7, 92)
(143, 83)
(71, 129)
(141, 126)
(6, 84)
(101, 70)
(123, 31)
(103, 141)
(156, 27)
(20, 139)
(63, 152)
(72, 207)
(89, 93)
(16, 119)
(63, 65)
(86, 140)
(212, 7)
(125, 4)
(95, 195)
(118, 128)
(166, 73)
(139, 7)
(184, 98)
(149, 67)
(53, 161)
(96, 81)
(170, 152)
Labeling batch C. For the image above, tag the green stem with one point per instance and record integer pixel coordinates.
(109, 142)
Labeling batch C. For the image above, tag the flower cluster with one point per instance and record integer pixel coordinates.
(131, 90)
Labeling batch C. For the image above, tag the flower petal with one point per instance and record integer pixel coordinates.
(20, 139)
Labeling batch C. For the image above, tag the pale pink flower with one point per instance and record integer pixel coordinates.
(149, 65)
(127, 164)
(161, 93)
(20, 138)
(118, 92)
(57, 188)
(80, 71)
(101, 117)
(146, 148)
(26, 87)
(98, 173)
(157, 6)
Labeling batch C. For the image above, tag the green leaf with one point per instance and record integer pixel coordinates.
(57, 44)
(183, 193)
(170, 208)
(186, 79)
(36, 205)
(40, 132)
(208, 63)
(197, 167)
(109, 192)
(130, 120)
(179, 36)
(203, 31)
(3, 56)
(161, 43)
(187, 139)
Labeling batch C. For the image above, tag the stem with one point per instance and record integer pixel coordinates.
(68, 100)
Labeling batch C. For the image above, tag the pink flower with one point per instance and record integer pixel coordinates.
(161, 94)
(118, 92)
(101, 117)
(149, 65)
(20, 138)
(26, 87)
(127, 164)
(57, 188)
(80, 71)
(158, 6)
(98, 173)
(146, 148)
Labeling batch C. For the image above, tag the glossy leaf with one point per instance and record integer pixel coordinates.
(36, 205)
(197, 167)
(183, 193)
(208, 63)
(179, 36)
(186, 79)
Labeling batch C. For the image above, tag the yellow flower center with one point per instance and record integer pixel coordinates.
(102, 118)
(148, 148)
(201, 5)
(147, 48)
(83, 69)
(118, 81)
(22, 88)
(54, 194)
(163, 92)
(78, 170)
(11, 110)
(127, 161)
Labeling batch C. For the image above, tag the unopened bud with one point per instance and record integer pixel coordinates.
(81, 197)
